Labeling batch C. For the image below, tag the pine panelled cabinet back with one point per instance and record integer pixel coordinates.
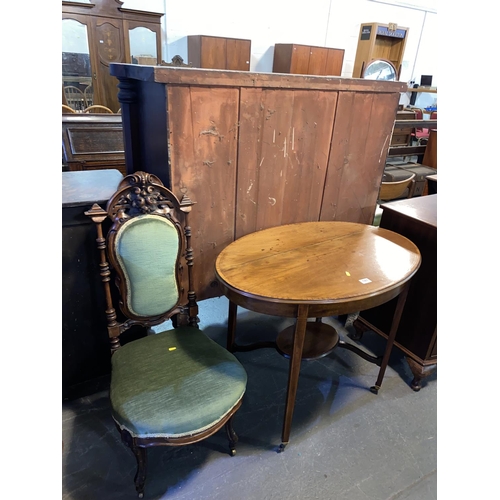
(256, 150)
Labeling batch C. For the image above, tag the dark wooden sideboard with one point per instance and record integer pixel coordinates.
(257, 150)
(85, 344)
(92, 142)
(415, 218)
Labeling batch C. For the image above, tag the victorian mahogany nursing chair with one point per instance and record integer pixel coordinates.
(175, 387)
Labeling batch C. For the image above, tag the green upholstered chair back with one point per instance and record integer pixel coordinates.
(147, 253)
(147, 248)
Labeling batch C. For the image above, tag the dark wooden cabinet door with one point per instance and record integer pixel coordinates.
(110, 49)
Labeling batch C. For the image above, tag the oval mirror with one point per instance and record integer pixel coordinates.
(380, 69)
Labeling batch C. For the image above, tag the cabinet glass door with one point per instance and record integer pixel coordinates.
(76, 67)
(143, 46)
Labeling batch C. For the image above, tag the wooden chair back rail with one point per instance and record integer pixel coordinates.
(98, 108)
(67, 109)
(393, 190)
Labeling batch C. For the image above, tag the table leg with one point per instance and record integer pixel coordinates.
(231, 326)
(392, 335)
(293, 373)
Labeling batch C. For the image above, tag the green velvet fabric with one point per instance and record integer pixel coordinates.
(158, 391)
(147, 248)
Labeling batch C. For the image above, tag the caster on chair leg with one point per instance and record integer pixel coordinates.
(281, 447)
(374, 389)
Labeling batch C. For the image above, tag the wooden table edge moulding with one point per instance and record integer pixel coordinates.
(314, 270)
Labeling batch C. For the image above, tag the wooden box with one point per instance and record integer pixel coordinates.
(307, 60)
(256, 150)
(219, 53)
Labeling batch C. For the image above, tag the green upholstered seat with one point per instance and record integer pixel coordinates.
(173, 384)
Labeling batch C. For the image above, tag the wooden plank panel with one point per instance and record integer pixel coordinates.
(213, 52)
(317, 61)
(300, 59)
(363, 128)
(203, 148)
(334, 62)
(282, 158)
(238, 54)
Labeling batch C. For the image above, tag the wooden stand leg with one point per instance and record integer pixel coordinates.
(293, 373)
(231, 326)
(392, 335)
(419, 372)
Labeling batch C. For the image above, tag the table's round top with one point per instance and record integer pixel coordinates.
(317, 262)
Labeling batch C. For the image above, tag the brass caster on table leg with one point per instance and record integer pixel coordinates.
(281, 447)
(374, 389)
(232, 451)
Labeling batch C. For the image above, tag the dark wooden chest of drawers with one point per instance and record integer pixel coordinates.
(415, 218)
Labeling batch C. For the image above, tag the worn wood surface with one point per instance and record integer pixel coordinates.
(357, 155)
(256, 150)
(203, 149)
(283, 156)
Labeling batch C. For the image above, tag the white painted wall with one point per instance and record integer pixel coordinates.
(327, 23)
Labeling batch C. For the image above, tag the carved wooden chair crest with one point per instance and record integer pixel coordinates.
(175, 387)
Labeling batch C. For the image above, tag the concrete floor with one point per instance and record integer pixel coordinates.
(346, 443)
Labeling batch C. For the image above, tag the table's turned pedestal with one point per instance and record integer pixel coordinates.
(314, 270)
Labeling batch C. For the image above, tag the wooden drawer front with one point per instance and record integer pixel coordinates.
(400, 140)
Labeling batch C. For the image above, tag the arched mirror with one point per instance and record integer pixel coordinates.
(380, 69)
(76, 70)
(143, 46)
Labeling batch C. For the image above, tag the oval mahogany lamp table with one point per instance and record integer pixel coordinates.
(313, 270)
